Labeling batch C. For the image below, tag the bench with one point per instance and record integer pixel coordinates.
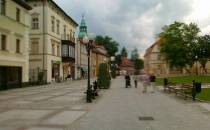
(182, 90)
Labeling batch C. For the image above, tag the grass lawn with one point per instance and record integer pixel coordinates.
(185, 79)
(204, 95)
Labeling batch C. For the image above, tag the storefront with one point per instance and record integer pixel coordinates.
(55, 70)
(10, 77)
(68, 70)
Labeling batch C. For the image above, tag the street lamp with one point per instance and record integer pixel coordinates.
(196, 62)
(88, 40)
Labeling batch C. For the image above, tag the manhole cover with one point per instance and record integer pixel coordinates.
(146, 118)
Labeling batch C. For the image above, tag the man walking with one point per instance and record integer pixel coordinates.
(152, 82)
(135, 78)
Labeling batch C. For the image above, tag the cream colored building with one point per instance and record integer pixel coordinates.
(52, 41)
(154, 62)
(14, 43)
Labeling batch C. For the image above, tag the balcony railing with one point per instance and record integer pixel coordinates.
(67, 37)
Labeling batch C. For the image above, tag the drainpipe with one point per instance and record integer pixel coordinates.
(44, 2)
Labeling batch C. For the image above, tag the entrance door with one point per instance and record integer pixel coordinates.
(10, 77)
(3, 78)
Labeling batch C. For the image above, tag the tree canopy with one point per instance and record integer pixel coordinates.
(134, 54)
(178, 43)
(110, 45)
(124, 52)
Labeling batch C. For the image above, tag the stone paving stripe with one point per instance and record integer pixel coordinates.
(64, 118)
(43, 128)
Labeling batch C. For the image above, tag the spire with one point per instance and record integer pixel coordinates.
(82, 28)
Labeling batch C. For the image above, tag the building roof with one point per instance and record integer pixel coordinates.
(125, 62)
(23, 4)
(76, 24)
(149, 50)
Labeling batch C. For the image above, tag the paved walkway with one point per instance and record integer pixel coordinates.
(49, 107)
(120, 109)
(62, 107)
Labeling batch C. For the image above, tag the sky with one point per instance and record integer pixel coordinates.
(136, 23)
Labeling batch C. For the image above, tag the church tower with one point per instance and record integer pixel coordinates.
(82, 29)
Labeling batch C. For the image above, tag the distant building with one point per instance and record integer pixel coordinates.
(126, 66)
(99, 55)
(52, 41)
(14, 43)
(82, 59)
(155, 63)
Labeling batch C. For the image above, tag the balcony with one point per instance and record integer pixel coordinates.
(68, 51)
(68, 37)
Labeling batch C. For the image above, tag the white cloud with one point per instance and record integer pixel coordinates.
(135, 23)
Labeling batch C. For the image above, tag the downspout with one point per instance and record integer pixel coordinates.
(44, 1)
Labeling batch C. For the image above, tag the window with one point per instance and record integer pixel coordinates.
(35, 47)
(65, 50)
(58, 27)
(53, 23)
(53, 49)
(18, 14)
(17, 46)
(35, 23)
(58, 50)
(64, 31)
(3, 42)
(3, 7)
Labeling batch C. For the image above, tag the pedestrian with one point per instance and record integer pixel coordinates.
(135, 78)
(146, 81)
(165, 83)
(127, 80)
(152, 82)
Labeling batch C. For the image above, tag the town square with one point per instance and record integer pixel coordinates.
(104, 65)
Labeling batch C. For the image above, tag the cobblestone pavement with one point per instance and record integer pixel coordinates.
(62, 107)
(120, 109)
(49, 107)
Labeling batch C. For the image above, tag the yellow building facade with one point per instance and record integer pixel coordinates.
(14, 43)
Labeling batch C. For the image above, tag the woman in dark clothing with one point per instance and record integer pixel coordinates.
(127, 81)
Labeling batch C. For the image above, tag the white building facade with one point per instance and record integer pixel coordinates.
(52, 42)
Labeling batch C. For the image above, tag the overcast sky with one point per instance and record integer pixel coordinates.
(135, 23)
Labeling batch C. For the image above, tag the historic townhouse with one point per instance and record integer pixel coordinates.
(52, 40)
(155, 63)
(82, 59)
(99, 55)
(14, 43)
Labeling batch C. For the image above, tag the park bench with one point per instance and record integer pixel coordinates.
(181, 90)
(185, 90)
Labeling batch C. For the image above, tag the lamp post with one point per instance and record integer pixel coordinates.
(88, 40)
(196, 60)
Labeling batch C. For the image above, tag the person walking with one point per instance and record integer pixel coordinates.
(152, 82)
(135, 78)
(127, 81)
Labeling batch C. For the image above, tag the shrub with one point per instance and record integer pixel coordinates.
(103, 76)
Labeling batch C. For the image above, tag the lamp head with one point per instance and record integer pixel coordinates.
(91, 36)
(85, 39)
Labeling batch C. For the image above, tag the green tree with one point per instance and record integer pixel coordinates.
(139, 64)
(203, 51)
(124, 52)
(109, 44)
(134, 54)
(177, 41)
(103, 76)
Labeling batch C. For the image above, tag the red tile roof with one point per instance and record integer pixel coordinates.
(125, 62)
